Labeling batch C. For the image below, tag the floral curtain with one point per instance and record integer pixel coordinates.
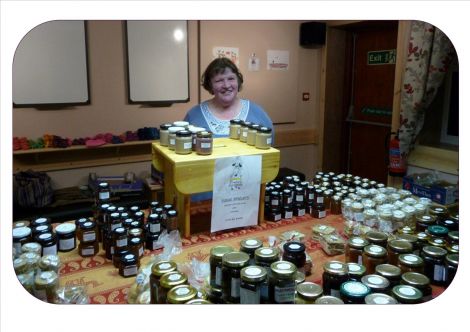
(430, 54)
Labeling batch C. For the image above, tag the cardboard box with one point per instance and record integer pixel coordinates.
(440, 192)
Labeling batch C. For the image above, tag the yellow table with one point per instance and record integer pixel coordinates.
(192, 173)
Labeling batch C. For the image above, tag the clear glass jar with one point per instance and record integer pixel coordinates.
(215, 261)
(45, 286)
(234, 131)
(396, 248)
(353, 292)
(251, 134)
(158, 270)
(252, 277)
(204, 143)
(372, 256)
(282, 282)
(263, 138)
(389, 271)
(172, 136)
(354, 249)
(232, 263)
(307, 292)
(434, 263)
(410, 263)
(334, 274)
(376, 283)
(183, 142)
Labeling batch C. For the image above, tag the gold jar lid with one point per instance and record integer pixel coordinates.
(355, 269)
(283, 269)
(437, 242)
(218, 252)
(410, 260)
(235, 259)
(453, 235)
(181, 294)
(426, 219)
(267, 254)
(415, 279)
(411, 238)
(160, 268)
(45, 279)
(453, 259)
(388, 270)
(299, 277)
(328, 299)
(438, 211)
(309, 290)
(423, 237)
(250, 245)
(434, 251)
(379, 298)
(31, 258)
(144, 297)
(375, 281)
(375, 236)
(253, 273)
(398, 215)
(172, 279)
(374, 250)
(198, 301)
(452, 249)
(400, 246)
(336, 268)
(407, 294)
(357, 242)
(406, 230)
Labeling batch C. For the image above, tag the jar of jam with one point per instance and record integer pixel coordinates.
(391, 272)
(232, 263)
(410, 263)
(434, 263)
(41, 229)
(424, 221)
(453, 237)
(354, 249)
(407, 294)
(194, 131)
(40, 221)
(396, 248)
(419, 281)
(307, 293)
(214, 295)
(294, 252)
(451, 264)
(282, 283)
(136, 246)
(251, 134)
(437, 231)
(249, 246)
(48, 242)
(45, 286)
(373, 255)
(378, 238)
(356, 271)
(335, 205)
(204, 143)
(164, 133)
(353, 292)
(264, 257)
(244, 131)
(252, 277)
(120, 238)
(128, 265)
(275, 199)
(66, 240)
(423, 240)
(181, 294)
(21, 235)
(327, 299)
(154, 223)
(172, 136)
(379, 298)
(234, 131)
(439, 212)
(104, 192)
(376, 283)
(263, 138)
(183, 142)
(450, 224)
(334, 274)
(151, 241)
(88, 249)
(114, 221)
(215, 261)
(158, 270)
(167, 282)
(88, 232)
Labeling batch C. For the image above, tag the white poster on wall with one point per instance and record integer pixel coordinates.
(226, 52)
(236, 192)
(277, 60)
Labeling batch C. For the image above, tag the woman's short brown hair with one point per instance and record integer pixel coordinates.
(218, 66)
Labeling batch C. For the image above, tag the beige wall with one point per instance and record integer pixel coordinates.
(109, 110)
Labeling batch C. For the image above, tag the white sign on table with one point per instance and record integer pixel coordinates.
(236, 191)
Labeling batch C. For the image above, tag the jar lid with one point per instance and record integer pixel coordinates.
(422, 237)
(183, 133)
(198, 301)
(434, 251)
(379, 298)
(45, 237)
(250, 244)
(160, 268)
(267, 254)
(336, 268)
(167, 207)
(135, 240)
(236, 121)
(294, 247)
(245, 123)
(426, 219)
(181, 294)
(31, 257)
(398, 214)
(218, 251)
(283, 269)
(328, 299)
(40, 221)
(375, 281)
(65, 228)
(172, 279)
(415, 279)
(21, 223)
(355, 269)
(437, 230)
(437, 242)
(438, 210)
(111, 209)
(253, 273)
(375, 236)
(452, 259)
(264, 130)
(408, 237)
(309, 290)
(400, 245)
(449, 223)
(204, 134)
(354, 289)
(181, 123)
(235, 259)
(165, 126)
(49, 262)
(410, 260)
(42, 229)
(406, 230)
(388, 270)
(196, 130)
(120, 231)
(31, 247)
(299, 277)
(357, 242)
(88, 225)
(174, 129)
(407, 294)
(46, 278)
(452, 249)
(21, 232)
(375, 250)
(104, 206)
(128, 258)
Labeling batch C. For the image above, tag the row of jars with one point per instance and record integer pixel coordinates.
(251, 133)
(184, 138)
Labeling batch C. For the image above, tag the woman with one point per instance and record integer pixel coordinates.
(223, 80)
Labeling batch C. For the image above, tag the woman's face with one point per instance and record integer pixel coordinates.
(225, 87)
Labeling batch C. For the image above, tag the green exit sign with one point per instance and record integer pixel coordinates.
(387, 57)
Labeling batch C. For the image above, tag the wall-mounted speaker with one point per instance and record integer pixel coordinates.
(312, 34)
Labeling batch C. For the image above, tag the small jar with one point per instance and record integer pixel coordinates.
(171, 221)
(232, 263)
(31, 247)
(434, 264)
(49, 263)
(20, 266)
(151, 241)
(31, 259)
(249, 246)
(423, 240)
(48, 242)
(120, 238)
(204, 143)
(373, 255)
(88, 249)
(411, 238)
(244, 131)
(335, 205)
(437, 231)
(252, 277)
(21, 223)
(45, 286)
(235, 125)
(453, 237)
(391, 272)
(334, 274)
(136, 246)
(396, 248)
(104, 192)
(307, 293)
(419, 281)
(407, 294)
(251, 134)
(66, 240)
(264, 257)
(353, 292)
(164, 133)
(215, 261)
(294, 252)
(181, 294)
(354, 249)
(379, 298)
(327, 299)
(356, 271)
(451, 264)
(41, 229)
(167, 282)
(378, 238)
(154, 223)
(183, 142)
(40, 221)
(88, 232)
(114, 221)
(263, 138)
(439, 212)
(172, 136)
(376, 283)
(282, 282)
(398, 219)
(194, 131)
(450, 224)
(21, 235)
(410, 263)
(157, 271)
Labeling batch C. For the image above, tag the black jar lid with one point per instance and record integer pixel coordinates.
(80, 221)
(45, 237)
(172, 213)
(136, 224)
(245, 123)
(128, 258)
(183, 133)
(104, 206)
(112, 209)
(135, 240)
(265, 130)
(294, 247)
(204, 134)
(128, 222)
(254, 126)
(88, 225)
(236, 121)
(120, 231)
(167, 207)
(42, 229)
(124, 215)
(153, 217)
(40, 221)
(165, 126)
(434, 251)
(134, 209)
(139, 214)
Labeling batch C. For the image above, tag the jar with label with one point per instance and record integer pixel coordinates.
(252, 277)
(434, 263)
(419, 281)
(354, 249)
(21, 235)
(151, 241)
(40, 221)
(391, 272)
(294, 252)
(215, 261)
(423, 240)
(407, 294)
(172, 136)
(167, 282)
(335, 205)
(379, 298)
(263, 138)
(164, 133)
(154, 223)
(372, 256)
(376, 283)
(114, 221)
(249, 246)
(204, 143)
(48, 242)
(49, 263)
(450, 224)
(264, 257)
(136, 246)
(410, 263)
(451, 264)
(88, 232)
(41, 229)
(183, 142)
(357, 211)
(103, 192)
(171, 221)
(282, 282)
(356, 271)
(334, 274)
(396, 248)
(181, 294)
(120, 238)
(45, 286)
(354, 292)
(108, 246)
(378, 238)
(234, 131)
(232, 263)
(157, 271)
(307, 292)
(88, 249)
(194, 131)
(244, 131)
(251, 134)
(66, 240)
(275, 199)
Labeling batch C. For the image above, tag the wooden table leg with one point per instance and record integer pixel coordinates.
(261, 203)
(183, 205)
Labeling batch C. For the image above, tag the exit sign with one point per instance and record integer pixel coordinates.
(387, 57)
